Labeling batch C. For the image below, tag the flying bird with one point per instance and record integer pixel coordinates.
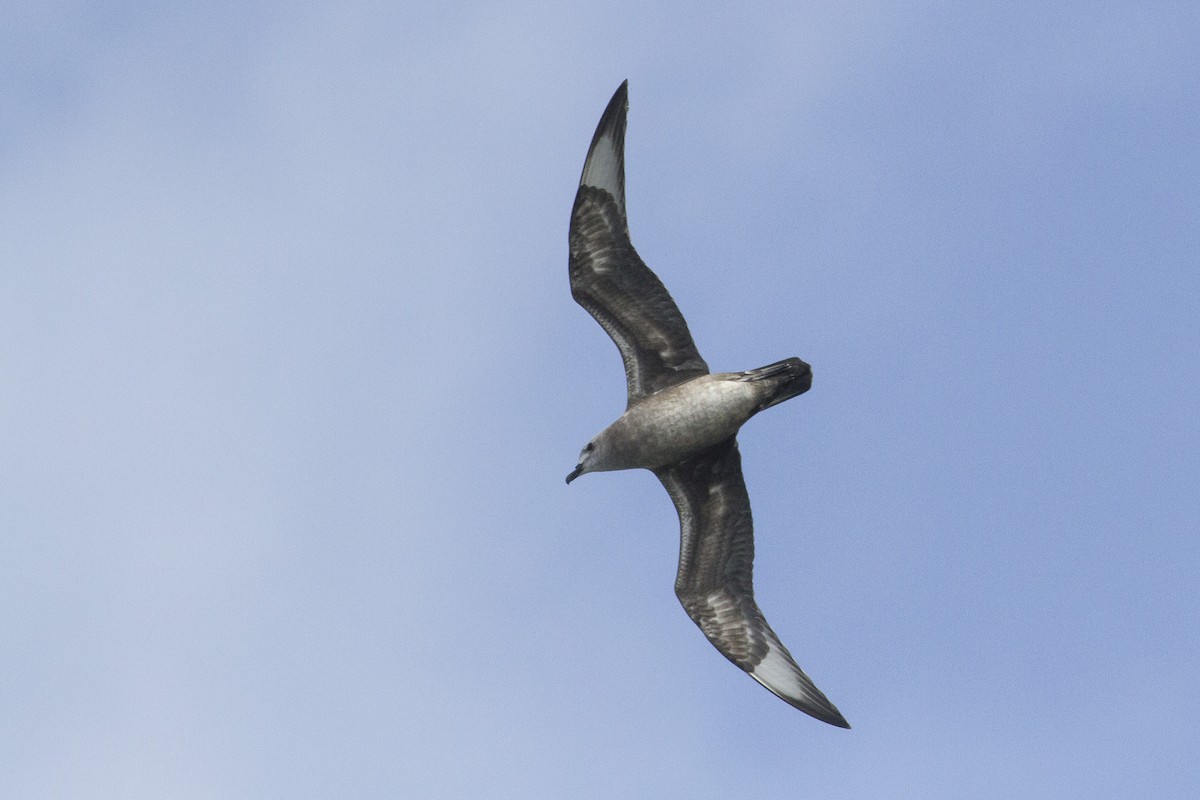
(681, 423)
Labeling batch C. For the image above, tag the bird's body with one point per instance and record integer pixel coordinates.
(681, 422)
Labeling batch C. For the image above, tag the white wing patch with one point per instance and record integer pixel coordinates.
(604, 168)
(777, 674)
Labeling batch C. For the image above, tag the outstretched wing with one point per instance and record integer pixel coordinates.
(610, 280)
(714, 583)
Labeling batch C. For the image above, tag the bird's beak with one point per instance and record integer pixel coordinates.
(575, 473)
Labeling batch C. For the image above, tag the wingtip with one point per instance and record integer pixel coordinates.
(605, 164)
(837, 720)
(615, 112)
(818, 708)
(779, 674)
(826, 712)
(812, 702)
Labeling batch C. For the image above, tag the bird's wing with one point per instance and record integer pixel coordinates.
(610, 280)
(714, 583)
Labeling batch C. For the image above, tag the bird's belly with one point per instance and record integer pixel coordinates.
(673, 427)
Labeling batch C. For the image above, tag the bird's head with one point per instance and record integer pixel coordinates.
(589, 460)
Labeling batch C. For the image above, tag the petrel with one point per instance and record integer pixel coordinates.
(681, 423)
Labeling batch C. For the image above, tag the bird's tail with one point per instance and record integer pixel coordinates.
(786, 379)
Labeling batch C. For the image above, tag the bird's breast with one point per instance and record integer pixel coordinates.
(682, 421)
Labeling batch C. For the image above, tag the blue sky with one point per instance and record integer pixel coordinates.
(291, 378)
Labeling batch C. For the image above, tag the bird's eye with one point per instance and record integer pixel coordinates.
(589, 447)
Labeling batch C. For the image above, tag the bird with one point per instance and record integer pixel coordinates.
(681, 423)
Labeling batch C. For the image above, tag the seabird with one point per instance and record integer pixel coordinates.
(681, 423)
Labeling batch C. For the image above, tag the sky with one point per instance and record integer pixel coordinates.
(290, 378)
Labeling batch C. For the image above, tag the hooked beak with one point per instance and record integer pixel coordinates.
(575, 473)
